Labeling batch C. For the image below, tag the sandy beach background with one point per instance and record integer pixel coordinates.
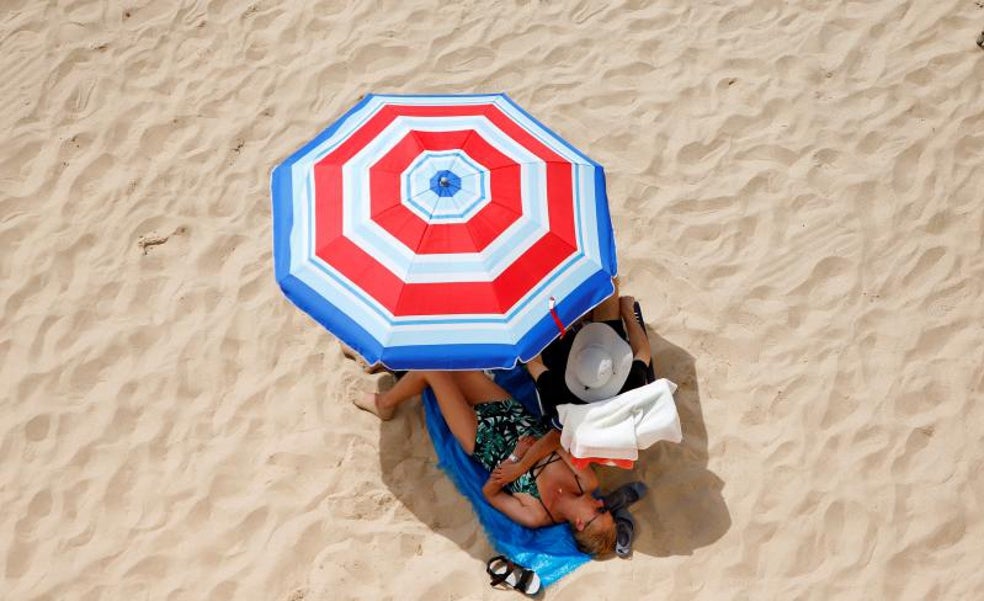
(798, 196)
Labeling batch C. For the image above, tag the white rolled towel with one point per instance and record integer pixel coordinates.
(619, 427)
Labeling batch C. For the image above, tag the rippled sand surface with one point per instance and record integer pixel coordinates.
(798, 194)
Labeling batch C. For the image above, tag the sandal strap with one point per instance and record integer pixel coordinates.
(524, 580)
(498, 579)
(488, 564)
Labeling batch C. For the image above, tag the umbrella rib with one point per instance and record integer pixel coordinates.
(421, 193)
(471, 133)
(420, 143)
(399, 297)
(492, 286)
(387, 211)
(467, 178)
(503, 207)
(451, 260)
(549, 162)
(495, 291)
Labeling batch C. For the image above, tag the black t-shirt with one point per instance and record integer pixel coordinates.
(551, 386)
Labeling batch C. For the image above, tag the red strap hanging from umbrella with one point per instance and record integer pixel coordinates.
(556, 317)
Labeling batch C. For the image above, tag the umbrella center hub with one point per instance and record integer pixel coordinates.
(445, 183)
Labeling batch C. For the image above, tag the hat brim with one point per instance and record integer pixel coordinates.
(599, 334)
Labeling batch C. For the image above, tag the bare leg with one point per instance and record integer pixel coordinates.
(478, 388)
(457, 411)
(350, 353)
(609, 309)
(455, 405)
(407, 387)
(384, 405)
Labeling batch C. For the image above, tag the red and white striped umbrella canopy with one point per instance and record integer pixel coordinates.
(437, 232)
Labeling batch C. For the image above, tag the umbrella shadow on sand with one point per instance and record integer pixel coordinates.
(684, 509)
(408, 463)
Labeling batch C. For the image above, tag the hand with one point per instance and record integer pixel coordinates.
(523, 445)
(536, 367)
(506, 472)
(626, 303)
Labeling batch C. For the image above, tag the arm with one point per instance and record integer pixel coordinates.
(637, 336)
(510, 505)
(509, 471)
(551, 390)
(536, 367)
(544, 445)
(589, 481)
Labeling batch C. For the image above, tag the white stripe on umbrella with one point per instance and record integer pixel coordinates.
(396, 256)
(444, 330)
(336, 293)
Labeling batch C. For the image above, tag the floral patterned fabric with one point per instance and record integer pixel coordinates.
(500, 426)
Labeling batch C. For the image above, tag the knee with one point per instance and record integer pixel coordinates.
(431, 376)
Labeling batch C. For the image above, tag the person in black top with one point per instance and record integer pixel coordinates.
(607, 355)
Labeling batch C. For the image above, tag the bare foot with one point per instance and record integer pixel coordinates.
(369, 401)
(350, 353)
(375, 368)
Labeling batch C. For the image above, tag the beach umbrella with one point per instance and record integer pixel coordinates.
(442, 232)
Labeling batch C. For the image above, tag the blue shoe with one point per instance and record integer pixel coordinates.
(625, 495)
(624, 532)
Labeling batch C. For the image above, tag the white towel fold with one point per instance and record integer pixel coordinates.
(619, 427)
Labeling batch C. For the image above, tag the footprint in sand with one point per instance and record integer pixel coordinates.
(147, 241)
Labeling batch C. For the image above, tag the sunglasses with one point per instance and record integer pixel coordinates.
(601, 510)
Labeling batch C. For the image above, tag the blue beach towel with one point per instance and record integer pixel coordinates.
(550, 552)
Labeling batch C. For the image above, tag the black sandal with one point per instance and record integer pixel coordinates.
(512, 575)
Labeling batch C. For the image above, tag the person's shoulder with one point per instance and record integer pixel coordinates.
(535, 514)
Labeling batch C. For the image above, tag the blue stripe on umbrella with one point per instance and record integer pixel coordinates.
(465, 356)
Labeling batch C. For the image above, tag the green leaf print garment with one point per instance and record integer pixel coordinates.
(500, 426)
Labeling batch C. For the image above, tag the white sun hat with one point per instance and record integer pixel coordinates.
(598, 364)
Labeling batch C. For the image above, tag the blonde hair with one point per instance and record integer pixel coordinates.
(596, 539)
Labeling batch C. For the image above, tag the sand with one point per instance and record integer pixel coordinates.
(798, 196)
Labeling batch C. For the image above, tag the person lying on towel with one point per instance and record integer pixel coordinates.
(498, 432)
